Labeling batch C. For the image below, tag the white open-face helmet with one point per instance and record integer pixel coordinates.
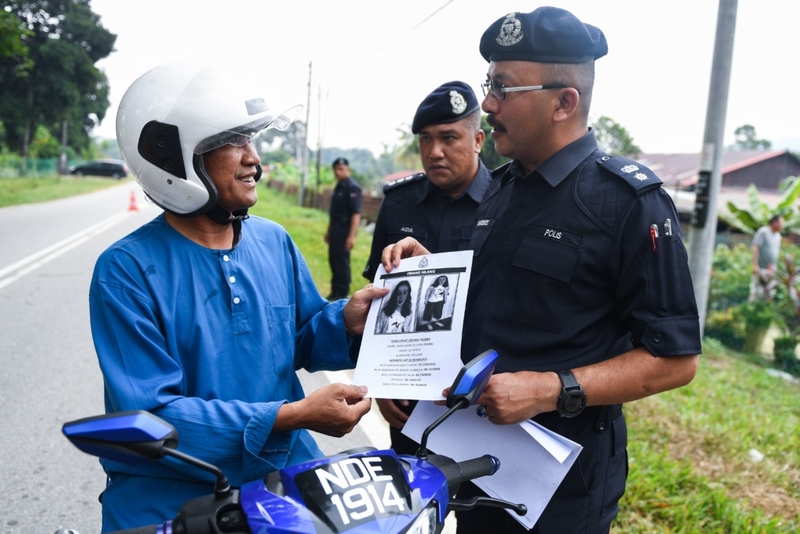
(172, 115)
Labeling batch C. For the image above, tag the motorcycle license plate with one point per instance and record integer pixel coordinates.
(349, 492)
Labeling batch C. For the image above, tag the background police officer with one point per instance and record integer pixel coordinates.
(436, 207)
(573, 249)
(345, 216)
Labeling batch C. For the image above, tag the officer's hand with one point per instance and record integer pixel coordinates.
(392, 413)
(356, 309)
(333, 410)
(350, 243)
(511, 398)
(405, 248)
(327, 237)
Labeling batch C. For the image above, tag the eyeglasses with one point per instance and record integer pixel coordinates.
(499, 90)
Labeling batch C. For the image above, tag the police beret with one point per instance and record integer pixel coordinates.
(340, 161)
(450, 102)
(545, 35)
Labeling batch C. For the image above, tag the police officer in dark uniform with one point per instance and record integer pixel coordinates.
(436, 207)
(345, 216)
(574, 250)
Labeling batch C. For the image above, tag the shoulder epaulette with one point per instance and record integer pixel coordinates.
(404, 181)
(501, 170)
(636, 175)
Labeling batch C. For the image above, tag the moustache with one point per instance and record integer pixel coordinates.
(494, 123)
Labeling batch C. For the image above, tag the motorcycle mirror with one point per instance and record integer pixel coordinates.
(131, 438)
(472, 379)
(467, 387)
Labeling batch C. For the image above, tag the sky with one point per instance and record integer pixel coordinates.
(374, 61)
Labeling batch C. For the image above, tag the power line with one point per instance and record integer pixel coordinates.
(420, 23)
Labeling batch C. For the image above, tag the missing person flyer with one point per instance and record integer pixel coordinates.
(411, 347)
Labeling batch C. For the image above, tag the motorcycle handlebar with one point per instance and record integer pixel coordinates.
(459, 472)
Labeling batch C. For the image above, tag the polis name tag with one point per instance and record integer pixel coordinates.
(353, 491)
(553, 233)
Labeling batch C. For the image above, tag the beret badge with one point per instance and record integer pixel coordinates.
(510, 31)
(458, 102)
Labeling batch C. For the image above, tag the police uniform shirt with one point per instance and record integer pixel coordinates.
(567, 262)
(565, 266)
(414, 207)
(345, 201)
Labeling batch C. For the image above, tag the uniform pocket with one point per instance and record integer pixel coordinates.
(617, 472)
(536, 291)
(396, 232)
(281, 329)
(483, 228)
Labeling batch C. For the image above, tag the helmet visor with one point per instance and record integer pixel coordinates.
(241, 135)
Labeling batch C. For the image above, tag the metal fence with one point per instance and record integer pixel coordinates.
(17, 167)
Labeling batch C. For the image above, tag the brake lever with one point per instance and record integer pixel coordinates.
(459, 505)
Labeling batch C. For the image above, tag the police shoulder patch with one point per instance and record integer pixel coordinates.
(394, 184)
(636, 175)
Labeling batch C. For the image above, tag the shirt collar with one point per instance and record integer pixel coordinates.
(475, 189)
(562, 163)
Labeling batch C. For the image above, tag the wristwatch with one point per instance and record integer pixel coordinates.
(572, 400)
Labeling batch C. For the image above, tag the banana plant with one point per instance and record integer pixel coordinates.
(759, 214)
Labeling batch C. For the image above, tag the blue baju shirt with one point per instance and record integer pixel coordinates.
(208, 340)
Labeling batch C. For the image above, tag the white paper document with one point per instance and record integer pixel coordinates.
(533, 460)
(411, 347)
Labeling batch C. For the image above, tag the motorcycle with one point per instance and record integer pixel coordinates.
(362, 490)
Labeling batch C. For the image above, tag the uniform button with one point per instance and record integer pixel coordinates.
(605, 158)
(225, 258)
(657, 338)
(601, 426)
(232, 279)
(236, 300)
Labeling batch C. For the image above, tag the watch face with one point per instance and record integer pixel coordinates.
(573, 403)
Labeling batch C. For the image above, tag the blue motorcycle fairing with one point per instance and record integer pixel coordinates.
(303, 508)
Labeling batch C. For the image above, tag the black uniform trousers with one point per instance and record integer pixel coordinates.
(339, 259)
(587, 500)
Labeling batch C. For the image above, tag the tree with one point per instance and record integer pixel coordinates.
(746, 139)
(12, 43)
(44, 145)
(489, 154)
(65, 40)
(614, 139)
(291, 139)
(407, 153)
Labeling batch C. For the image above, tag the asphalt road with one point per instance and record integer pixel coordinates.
(49, 368)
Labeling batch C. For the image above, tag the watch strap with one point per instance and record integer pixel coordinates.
(568, 379)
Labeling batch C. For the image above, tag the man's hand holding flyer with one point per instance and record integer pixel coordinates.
(412, 340)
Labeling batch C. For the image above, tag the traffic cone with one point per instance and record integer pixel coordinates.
(132, 203)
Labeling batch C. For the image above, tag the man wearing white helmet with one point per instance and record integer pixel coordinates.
(202, 315)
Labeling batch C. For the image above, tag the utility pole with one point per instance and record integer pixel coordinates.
(703, 228)
(319, 146)
(304, 176)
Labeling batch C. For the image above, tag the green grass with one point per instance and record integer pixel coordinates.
(307, 228)
(688, 448)
(14, 191)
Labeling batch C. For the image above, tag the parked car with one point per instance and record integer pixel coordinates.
(115, 168)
